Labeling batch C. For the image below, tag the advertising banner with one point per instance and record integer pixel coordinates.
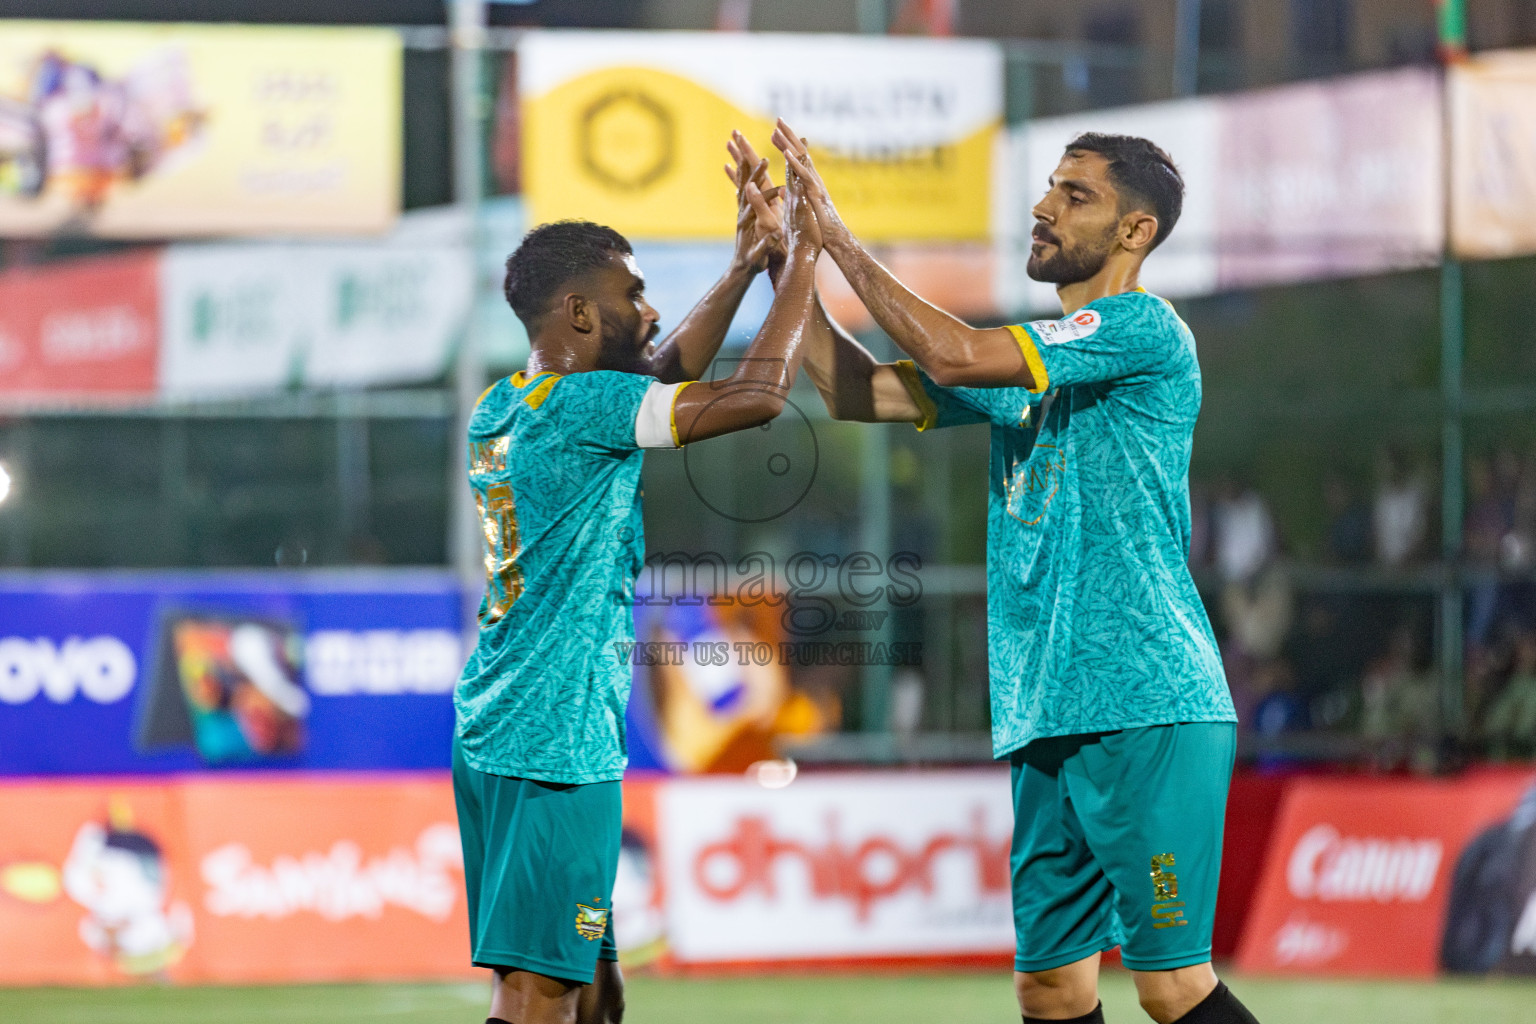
(236, 880)
(253, 318)
(1322, 179)
(177, 673)
(847, 867)
(157, 131)
(629, 129)
(1330, 179)
(86, 331)
(1397, 877)
(1493, 155)
(1185, 264)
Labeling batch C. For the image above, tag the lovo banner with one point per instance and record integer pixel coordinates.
(1493, 154)
(87, 331)
(852, 867)
(1397, 877)
(155, 131)
(629, 129)
(160, 674)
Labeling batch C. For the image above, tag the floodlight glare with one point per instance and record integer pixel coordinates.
(5, 483)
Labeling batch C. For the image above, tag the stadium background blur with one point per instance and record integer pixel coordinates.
(1364, 483)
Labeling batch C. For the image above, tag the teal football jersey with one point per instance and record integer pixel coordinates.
(555, 470)
(1093, 620)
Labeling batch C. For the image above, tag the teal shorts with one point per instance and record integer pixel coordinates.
(539, 865)
(1117, 842)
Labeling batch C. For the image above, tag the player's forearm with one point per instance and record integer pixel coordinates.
(688, 350)
(949, 350)
(775, 355)
(840, 367)
(755, 393)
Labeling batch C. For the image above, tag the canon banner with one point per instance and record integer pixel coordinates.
(157, 674)
(848, 867)
(156, 131)
(1399, 877)
(629, 129)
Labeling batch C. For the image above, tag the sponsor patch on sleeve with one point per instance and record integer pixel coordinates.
(1069, 328)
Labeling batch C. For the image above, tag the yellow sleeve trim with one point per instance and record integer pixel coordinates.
(906, 369)
(680, 389)
(535, 398)
(1042, 380)
(483, 394)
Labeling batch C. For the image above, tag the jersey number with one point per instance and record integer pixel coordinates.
(503, 577)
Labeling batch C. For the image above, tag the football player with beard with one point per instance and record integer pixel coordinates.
(1107, 690)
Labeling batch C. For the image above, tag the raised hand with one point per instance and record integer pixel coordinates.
(759, 206)
(802, 231)
(797, 158)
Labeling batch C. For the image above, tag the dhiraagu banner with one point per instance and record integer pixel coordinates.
(125, 130)
(629, 129)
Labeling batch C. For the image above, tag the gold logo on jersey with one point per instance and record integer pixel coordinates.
(590, 922)
(1040, 473)
(1165, 894)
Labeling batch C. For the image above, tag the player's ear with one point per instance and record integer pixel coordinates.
(580, 312)
(1137, 230)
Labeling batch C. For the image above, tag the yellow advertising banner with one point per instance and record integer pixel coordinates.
(1493, 155)
(128, 130)
(629, 129)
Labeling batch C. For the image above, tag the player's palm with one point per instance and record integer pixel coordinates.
(759, 206)
(797, 158)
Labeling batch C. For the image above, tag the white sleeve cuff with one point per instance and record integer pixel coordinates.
(653, 424)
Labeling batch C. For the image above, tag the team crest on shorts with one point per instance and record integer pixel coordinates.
(590, 922)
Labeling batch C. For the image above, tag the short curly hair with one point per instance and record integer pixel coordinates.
(552, 254)
(1142, 173)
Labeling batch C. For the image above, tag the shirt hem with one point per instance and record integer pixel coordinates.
(515, 770)
(1002, 748)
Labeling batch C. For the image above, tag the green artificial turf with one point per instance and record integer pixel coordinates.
(768, 999)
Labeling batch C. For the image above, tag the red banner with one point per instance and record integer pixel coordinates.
(82, 329)
(1360, 874)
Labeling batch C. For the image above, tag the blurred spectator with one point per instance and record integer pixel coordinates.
(1401, 513)
(1279, 709)
(1400, 704)
(1349, 521)
(1509, 725)
(1244, 532)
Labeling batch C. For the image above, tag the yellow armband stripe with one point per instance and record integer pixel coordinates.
(906, 369)
(673, 419)
(1042, 380)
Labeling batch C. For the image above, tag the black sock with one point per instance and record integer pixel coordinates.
(1093, 1016)
(496, 1020)
(1220, 1007)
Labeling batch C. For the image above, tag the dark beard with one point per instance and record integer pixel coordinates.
(1070, 266)
(619, 351)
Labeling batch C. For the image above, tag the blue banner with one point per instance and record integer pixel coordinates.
(152, 674)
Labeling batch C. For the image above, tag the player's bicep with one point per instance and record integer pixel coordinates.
(893, 399)
(937, 406)
(656, 420)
